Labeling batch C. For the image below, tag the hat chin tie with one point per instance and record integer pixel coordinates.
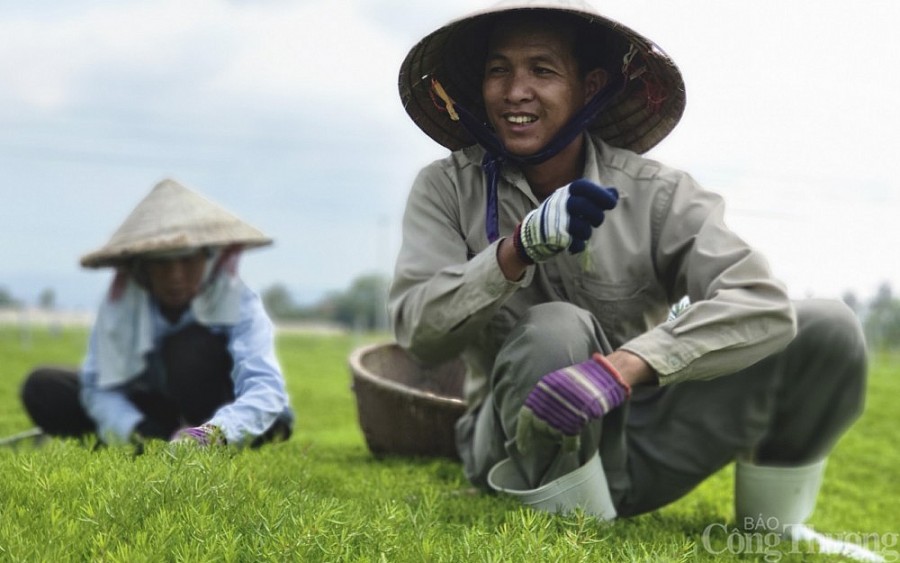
(496, 154)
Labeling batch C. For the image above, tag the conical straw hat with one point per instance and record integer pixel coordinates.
(173, 218)
(647, 110)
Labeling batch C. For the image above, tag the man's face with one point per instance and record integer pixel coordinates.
(174, 282)
(532, 85)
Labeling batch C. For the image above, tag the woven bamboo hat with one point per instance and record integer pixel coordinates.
(648, 108)
(170, 219)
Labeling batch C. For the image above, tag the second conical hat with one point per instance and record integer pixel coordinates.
(172, 218)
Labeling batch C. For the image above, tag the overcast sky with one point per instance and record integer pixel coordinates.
(287, 113)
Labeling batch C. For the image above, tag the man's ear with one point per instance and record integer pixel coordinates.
(594, 81)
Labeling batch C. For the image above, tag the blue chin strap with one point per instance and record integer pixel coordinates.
(496, 154)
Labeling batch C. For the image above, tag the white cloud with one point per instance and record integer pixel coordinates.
(47, 57)
(291, 57)
(315, 55)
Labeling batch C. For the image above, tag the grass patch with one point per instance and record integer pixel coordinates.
(322, 497)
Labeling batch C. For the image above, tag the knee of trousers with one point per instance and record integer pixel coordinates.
(556, 325)
(38, 384)
(830, 331)
(833, 325)
(831, 328)
(548, 337)
(32, 386)
(50, 397)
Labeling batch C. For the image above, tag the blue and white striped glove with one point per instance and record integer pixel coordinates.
(564, 221)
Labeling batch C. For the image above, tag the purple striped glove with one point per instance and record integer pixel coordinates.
(564, 401)
(205, 435)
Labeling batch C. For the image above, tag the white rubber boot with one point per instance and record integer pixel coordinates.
(585, 488)
(780, 499)
(774, 498)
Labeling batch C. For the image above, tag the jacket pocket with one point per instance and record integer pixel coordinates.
(624, 309)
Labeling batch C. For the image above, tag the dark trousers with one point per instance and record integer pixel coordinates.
(193, 369)
(787, 410)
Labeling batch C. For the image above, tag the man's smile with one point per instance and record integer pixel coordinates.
(520, 118)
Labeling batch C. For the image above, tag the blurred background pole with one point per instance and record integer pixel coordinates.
(383, 269)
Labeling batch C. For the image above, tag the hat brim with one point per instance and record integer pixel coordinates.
(645, 112)
(170, 219)
(117, 257)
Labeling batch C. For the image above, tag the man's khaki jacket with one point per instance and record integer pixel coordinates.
(665, 239)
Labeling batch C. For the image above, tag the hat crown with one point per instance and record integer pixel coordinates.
(579, 5)
(171, 218)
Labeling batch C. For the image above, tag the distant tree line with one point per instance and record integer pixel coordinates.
(7, 301)
(362, 306)
(46, 299)
(880, 317)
